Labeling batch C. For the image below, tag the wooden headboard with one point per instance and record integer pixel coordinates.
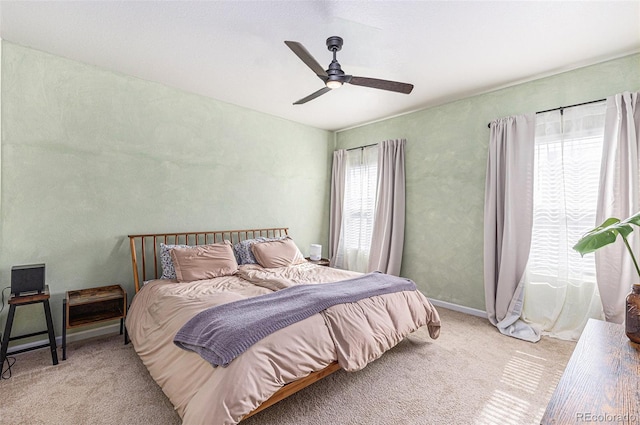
(145, 248)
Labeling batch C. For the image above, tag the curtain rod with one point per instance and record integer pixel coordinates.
(362, 147)
(560, 108)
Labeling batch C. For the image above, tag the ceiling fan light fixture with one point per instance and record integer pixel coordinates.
(334, 84)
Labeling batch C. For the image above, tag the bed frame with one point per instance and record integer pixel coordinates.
(145, 250)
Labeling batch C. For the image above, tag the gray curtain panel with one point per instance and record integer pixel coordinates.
(618, 197)
(508, 220)
(387, 240)
(338, 170)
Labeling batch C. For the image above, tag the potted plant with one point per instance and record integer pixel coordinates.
(606, 234)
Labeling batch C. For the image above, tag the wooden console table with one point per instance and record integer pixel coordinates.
(601, 383)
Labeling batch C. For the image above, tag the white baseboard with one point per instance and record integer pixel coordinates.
(76, 336)
(460, 308)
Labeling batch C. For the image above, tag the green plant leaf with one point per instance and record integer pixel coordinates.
(634, 219)
(607, 233)
(602, 235)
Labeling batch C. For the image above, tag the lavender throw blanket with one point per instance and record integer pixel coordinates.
(221, 333)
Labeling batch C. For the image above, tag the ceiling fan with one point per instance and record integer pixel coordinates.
(334, 77)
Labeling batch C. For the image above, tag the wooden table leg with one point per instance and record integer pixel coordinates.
(64, 329)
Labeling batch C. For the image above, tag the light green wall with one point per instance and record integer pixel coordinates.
(89, 156)
(446, 156)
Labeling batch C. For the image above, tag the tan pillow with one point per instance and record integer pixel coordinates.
(204, 261)
(281, 253)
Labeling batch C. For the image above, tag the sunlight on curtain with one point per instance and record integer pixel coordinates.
(359, 208)
(560, 286)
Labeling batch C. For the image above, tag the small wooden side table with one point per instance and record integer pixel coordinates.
(20, 300)
(93, 305)
(320, 262)
(601, 383)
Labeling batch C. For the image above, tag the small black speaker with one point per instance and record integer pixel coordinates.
(27, 278)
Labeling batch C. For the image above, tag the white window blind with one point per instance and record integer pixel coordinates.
(567, 172)
(359, 209)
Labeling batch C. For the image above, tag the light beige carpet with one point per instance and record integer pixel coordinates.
(470, 375)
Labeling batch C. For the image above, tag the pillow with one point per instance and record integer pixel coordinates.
(280, 253)
(168, 271)
(243, 249)
(204, 261)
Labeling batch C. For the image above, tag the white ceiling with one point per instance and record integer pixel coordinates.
(234, 51)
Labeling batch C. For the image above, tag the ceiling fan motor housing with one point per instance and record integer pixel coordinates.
(335, 72)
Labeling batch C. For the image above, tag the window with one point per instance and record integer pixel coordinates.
(560, 291)
(567, 155)
(359, 209)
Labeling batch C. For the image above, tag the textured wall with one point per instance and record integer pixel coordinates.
(445, 171)
(89, 156)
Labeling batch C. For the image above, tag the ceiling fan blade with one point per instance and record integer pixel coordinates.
(306, 57)
(312, 96)
(382, 84)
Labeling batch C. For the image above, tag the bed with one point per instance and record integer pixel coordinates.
(347, 336)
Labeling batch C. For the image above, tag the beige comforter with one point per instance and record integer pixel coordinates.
(353, 334)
